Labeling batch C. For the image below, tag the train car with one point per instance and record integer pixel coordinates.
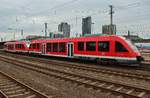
(9, 46)
(108, 49)
(35, 47)
(22, 46)
(18, 46)
(113, 49)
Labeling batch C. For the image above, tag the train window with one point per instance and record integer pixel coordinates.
(20, 46)
(23, 47)
(103, 46)
(34, 46)
(38, 46)
(30, 46)
(49, 47)
(81, 46)
(62, 47)
(90, 46)
(55, 47)
(119, 47)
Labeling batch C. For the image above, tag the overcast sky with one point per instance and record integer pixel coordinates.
(30, 15)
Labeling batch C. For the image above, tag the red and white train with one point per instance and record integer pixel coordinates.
(113, 49)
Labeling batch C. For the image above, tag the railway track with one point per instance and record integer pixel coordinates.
(83, 67)
(12, 88)
(112, 88)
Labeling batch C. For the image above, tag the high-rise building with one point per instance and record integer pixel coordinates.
(65, 28)
(106, 29)
(86, 25)
(51, 35)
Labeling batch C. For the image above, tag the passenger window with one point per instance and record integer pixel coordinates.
(62, 47)
(20, 46)
(23, 46)
(55, 47)
(30, 46)
(49, 47)
(34, 46)
(103, 46)
(38, 46)
(91, 46)
(80, 46)
(119, 47)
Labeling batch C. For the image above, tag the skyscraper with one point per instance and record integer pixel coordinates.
(86, 25)
(65, 28)
(106, 29)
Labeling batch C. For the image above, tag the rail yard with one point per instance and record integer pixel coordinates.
(63, 79)
(75, 49)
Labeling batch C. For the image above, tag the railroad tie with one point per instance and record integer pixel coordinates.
(6, 83)
(8, 86)
(130, 91)
(93, 83)
(86, 81)
(8, 89)
(50, 96)
(75, 78)
(31, 96)
(15, 91)
(80, 79)
(69, 76)
(118, 89)
(17, 95)
(142, 94)
(101, 85)
(110, 86)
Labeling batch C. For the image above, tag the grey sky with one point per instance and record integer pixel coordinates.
(30, 15)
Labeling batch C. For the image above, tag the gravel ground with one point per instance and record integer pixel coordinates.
(146, 56)
(117, 79)
(63, 89)
(52, 86)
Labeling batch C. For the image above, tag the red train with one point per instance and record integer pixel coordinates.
(17, 46)
(113, 49)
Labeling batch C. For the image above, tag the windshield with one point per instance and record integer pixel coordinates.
(132, 45)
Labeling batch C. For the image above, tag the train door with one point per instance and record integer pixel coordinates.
(43, 48)
(70, 49)
(14, 47)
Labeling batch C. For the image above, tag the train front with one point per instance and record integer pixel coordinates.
(135, 51)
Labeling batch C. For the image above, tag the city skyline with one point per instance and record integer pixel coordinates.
(30, 15)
